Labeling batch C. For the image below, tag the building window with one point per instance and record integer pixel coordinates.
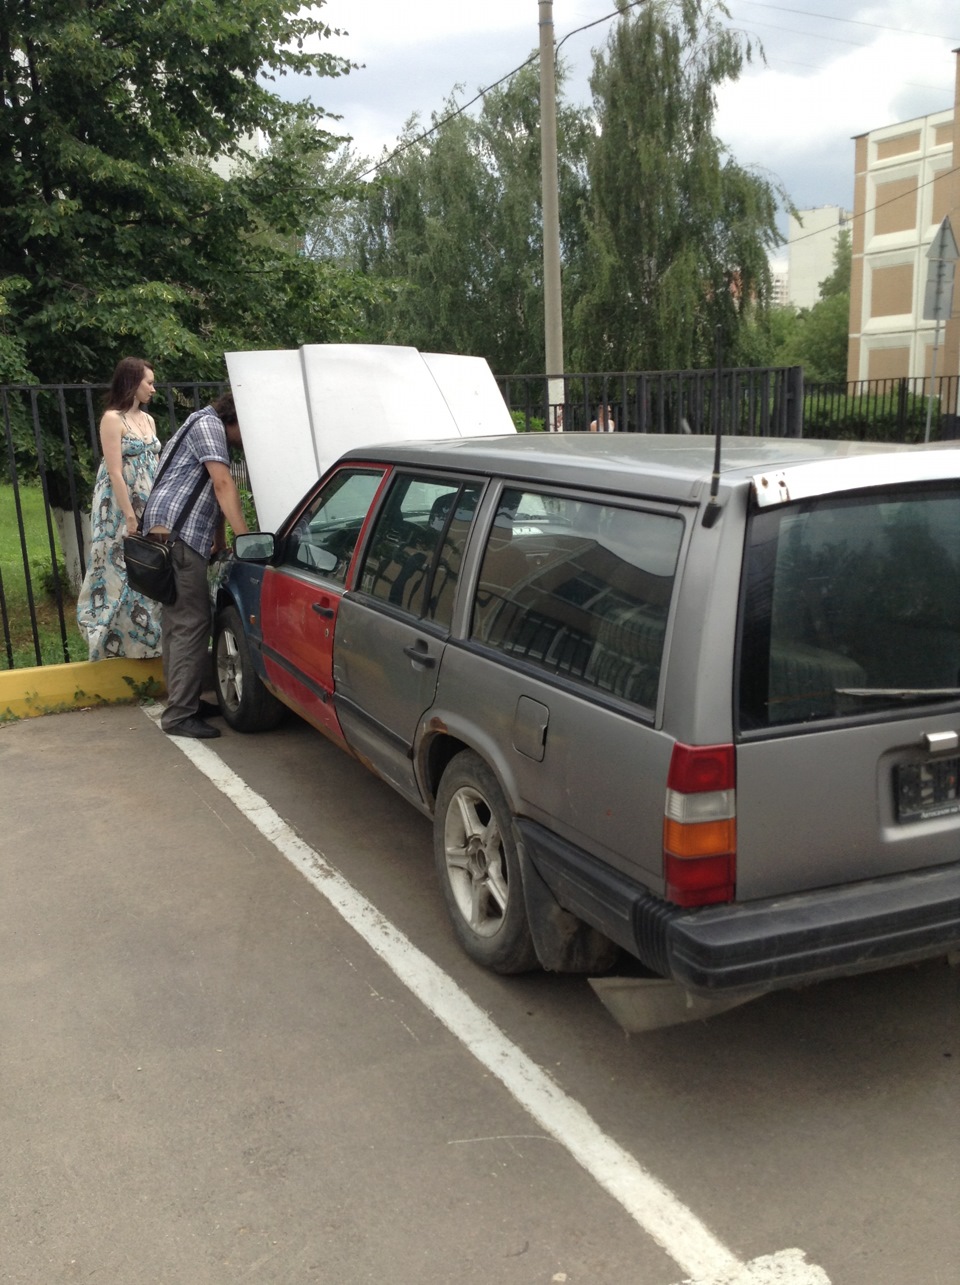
(891, 291)
(902, 145)
(896, 206)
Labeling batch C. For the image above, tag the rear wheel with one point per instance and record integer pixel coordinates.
(246, 704)
(479, 869)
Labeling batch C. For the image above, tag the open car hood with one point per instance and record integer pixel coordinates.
(300, 409)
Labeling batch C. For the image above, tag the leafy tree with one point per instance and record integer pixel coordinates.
(815, 338)
(767, 336)
(13, 356)
(678, 232)
(821, 344)
(838, 282)
(825, 329)
(452, 228)
(117, 232)
(335, 236)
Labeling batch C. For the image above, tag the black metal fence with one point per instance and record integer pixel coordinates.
(896, 410)
(764, 402)
(50, 454)
(767, 402)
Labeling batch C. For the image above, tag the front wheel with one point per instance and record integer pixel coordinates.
(479, 869)
(244, 701)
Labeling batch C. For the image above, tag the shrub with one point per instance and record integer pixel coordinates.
(526, 423)
(899, 416)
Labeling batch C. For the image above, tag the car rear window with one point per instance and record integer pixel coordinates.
(851, 606)
(580, 589)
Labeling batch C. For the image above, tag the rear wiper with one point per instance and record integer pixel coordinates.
(899, 693)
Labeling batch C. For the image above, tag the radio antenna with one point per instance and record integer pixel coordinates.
(712, 511)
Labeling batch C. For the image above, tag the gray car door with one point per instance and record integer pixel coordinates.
(392, 627)
(559, 682)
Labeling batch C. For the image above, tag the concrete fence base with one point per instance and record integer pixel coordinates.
(51, 689)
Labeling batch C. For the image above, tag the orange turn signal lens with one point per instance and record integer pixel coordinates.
(699, 839)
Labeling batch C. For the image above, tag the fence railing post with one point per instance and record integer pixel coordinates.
(794, 399)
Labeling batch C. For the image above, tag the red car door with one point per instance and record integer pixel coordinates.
(300, 595)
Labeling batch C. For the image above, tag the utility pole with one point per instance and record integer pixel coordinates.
(552, 300)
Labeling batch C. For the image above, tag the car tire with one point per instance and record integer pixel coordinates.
(478, 867)
(244, 701)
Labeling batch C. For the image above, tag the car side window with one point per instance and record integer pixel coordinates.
(327, 531)
(446, 572)
(580, 589)
(413, 558)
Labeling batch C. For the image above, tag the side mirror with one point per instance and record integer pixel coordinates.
(256, 546)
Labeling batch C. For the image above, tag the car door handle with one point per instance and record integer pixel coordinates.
(419, 653)
(321, 610)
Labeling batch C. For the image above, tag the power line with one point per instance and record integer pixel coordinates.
(620, 11)
(853, 22)
(624, 8)
(879, 206)
(397, 151)
(814, 35)
(775, 61)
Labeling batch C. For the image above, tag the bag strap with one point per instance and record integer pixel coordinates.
(176, 443)
(189, 502)
(202, 481)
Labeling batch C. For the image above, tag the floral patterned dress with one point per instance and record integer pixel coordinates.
(116, 620)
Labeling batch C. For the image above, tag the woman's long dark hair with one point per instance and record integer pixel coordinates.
(126, 380)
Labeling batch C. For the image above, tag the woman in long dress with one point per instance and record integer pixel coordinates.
(116, 620)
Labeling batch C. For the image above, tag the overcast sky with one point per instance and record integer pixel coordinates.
(834, 69)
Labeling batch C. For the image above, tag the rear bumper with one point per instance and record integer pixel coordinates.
(810, 936)
(760, 945)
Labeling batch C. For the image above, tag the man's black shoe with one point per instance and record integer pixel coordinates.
(208, 709)
(195, 727)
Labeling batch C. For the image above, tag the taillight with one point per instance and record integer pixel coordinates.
(700, 825)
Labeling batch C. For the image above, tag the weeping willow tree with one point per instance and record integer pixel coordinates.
(677, 232)
(451, 228)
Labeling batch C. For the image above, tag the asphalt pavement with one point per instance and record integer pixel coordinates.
(209, 1076)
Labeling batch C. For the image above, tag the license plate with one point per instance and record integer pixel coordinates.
(926, 790)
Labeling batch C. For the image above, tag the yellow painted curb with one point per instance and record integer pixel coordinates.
(51, 689)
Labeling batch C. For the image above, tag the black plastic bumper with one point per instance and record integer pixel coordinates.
(809, 936)
(760, 945)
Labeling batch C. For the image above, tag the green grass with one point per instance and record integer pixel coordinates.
(42, 584)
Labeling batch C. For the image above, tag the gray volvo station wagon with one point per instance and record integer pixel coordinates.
(708, 717)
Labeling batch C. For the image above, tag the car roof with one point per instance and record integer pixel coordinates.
(671, 466)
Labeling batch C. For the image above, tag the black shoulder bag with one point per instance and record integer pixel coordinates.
(150, 562)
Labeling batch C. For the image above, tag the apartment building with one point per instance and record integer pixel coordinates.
(812, 237)
(906, 182)
(779, 287)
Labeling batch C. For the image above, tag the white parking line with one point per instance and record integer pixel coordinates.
(655, 1208)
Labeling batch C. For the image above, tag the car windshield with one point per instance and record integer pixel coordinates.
(852, 606)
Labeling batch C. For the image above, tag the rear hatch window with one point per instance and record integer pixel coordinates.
(851, 607)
